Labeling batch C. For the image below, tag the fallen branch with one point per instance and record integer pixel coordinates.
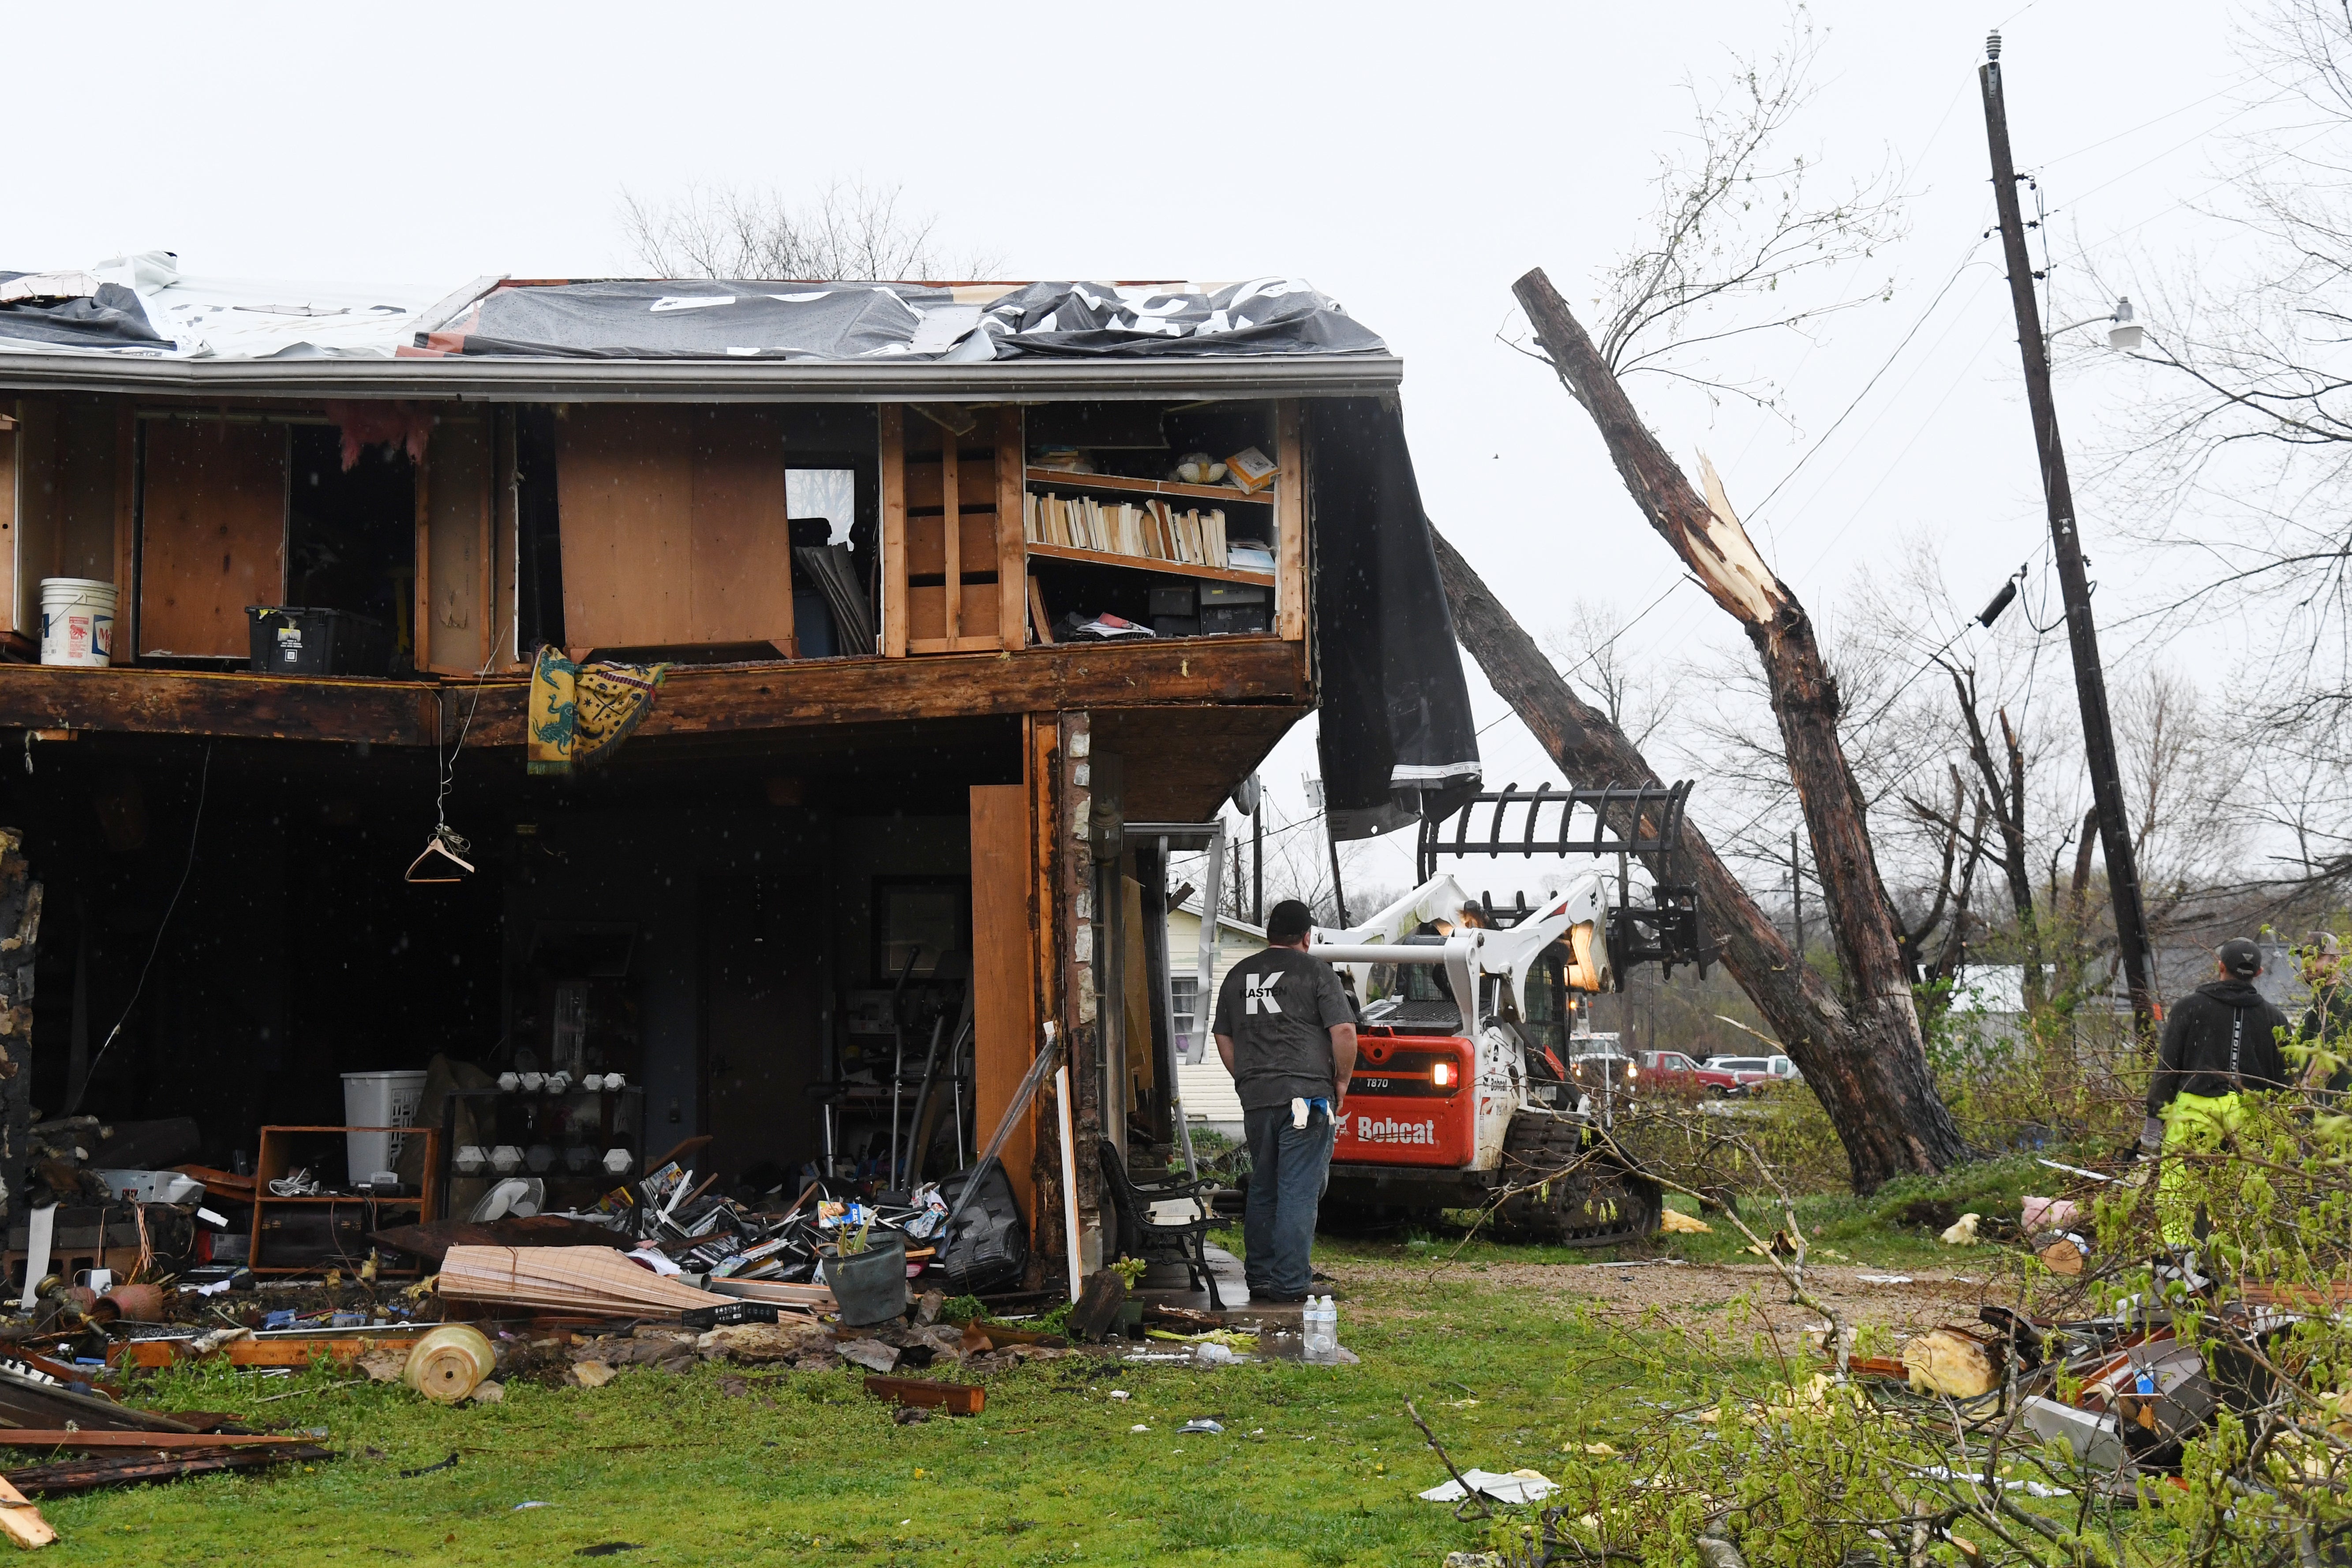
(1470, 1494)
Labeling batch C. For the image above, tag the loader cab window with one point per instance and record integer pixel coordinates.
(1424, 982)
(1549, 1012)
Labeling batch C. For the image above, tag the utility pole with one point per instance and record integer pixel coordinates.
(2090, 681)
(1257, 861)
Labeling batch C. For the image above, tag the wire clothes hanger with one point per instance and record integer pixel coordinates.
(443, 858)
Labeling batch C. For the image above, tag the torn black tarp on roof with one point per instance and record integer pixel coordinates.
(697, 319)
(1397, 739)
(1267, 315)
(713, 319)
(106, 316)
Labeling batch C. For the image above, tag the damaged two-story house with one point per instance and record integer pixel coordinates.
(774, 698)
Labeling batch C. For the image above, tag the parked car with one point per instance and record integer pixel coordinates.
(1672, 1068)
(1758, 1072)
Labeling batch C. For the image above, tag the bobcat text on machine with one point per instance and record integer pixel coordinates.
(1465, 1092)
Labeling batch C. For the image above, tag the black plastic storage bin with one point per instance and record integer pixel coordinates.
(290, 639)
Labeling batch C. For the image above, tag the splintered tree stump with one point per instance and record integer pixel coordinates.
(1096, 1307)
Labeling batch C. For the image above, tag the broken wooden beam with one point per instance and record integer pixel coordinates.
(713, 700)
(68, 1476)
(955, 1398)
(159, 1442)
(21, 1522)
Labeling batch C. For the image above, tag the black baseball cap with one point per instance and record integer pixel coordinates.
(1288, 920)
(2241, 958)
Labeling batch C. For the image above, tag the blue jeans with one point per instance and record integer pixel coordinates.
(1289, 1167)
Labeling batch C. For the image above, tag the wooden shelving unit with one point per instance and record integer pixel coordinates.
(1068, 480)
(1148, 563)
(954, 562)
(275, 1159)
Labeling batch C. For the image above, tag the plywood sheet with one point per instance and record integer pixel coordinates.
(1003, 960)
(975, 478)
(212, 533)
(926, 616)
(673, 524)
(456, 544)
(976, 546)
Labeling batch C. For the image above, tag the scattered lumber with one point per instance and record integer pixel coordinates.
(21, 1522)
(598, 1281)
(955, 1398)
(71, 1476)
(151, 1442)
(36, 1406)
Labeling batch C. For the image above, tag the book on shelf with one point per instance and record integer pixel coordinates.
(1150, 530)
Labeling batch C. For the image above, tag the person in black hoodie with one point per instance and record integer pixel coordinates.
(2220, 1042)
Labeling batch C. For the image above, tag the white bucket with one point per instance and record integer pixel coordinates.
(378, 1100)
(77, 622)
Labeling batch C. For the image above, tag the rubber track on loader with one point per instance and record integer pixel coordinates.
(1572, 1196)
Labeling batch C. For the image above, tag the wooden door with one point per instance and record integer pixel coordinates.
(763, 991)
(1003, 964)
(212, 533)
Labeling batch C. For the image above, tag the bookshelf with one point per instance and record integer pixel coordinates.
(1148, 563)
(955, 565)
(1061, 478)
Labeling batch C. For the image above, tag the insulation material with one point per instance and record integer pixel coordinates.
(1396, 736)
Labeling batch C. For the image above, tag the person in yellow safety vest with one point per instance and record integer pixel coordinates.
(2220, 1041)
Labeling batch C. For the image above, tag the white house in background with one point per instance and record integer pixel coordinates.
(1210, 1099)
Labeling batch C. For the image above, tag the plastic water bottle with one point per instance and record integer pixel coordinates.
(1320, 1321)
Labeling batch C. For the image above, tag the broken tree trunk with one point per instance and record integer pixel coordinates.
(1882, 1104)
(1873, 1080)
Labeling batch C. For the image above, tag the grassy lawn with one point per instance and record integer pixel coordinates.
(1317, 1466)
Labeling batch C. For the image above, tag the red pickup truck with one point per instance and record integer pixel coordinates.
(1673, 1068)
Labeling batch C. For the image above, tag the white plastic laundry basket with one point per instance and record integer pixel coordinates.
(77, 622)
(378, 1100)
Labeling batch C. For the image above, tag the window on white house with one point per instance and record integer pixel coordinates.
(1184, 1001)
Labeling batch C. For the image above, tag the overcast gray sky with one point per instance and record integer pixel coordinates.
(1412, 161)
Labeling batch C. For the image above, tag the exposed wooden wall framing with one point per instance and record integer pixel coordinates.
(893, 441)
(210, 508)
(674, 528)
(456, 506)
(506, 550)
(11, 435)
(1011, 549)
(1290, 522)
(953, 555)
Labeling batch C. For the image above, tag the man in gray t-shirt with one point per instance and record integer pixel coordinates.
(1288, 1035)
